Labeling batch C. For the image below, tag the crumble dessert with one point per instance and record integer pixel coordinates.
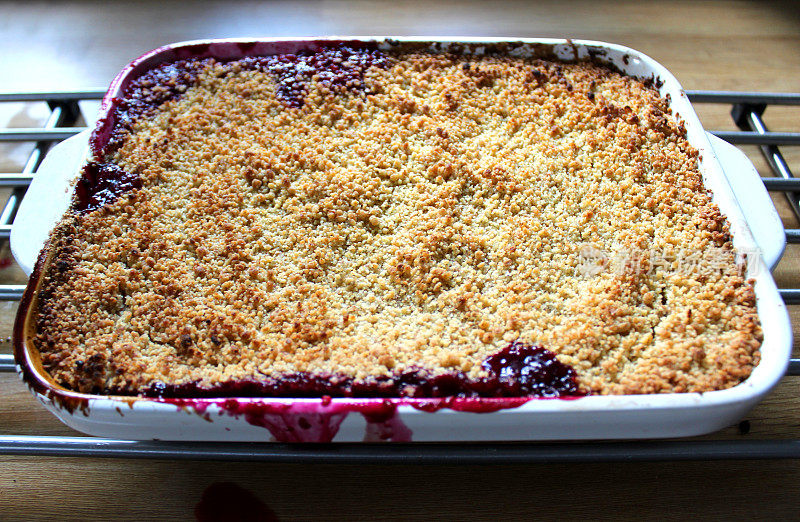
(353, 222)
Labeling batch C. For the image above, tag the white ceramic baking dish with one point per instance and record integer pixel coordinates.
(736, 188)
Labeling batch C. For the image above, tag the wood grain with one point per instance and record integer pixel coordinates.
(157, 490)
(733, 45)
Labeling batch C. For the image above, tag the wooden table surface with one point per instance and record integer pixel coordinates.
(707, 45)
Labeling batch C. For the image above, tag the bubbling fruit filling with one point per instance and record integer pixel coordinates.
(517, 371)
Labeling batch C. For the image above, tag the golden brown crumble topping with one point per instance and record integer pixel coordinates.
(425, 223)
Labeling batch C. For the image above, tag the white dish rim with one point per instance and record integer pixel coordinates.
(777, 330)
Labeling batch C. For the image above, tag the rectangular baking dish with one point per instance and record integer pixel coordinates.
(727, 174)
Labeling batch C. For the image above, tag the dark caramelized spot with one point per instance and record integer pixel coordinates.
(101, 184)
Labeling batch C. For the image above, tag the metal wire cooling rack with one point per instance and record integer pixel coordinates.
(747, 110)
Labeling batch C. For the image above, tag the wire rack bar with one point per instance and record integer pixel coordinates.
(733, 97)
(56, 134)
(415, 453)
(790, 296)
(9, 210)
(748, 117)
(11, 292)
(61, 114)
(11, 180)
(781, 185)
(7, 363)
(759, 138)
(53, 96)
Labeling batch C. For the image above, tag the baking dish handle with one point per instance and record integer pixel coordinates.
(47, 198)
(754, 201)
